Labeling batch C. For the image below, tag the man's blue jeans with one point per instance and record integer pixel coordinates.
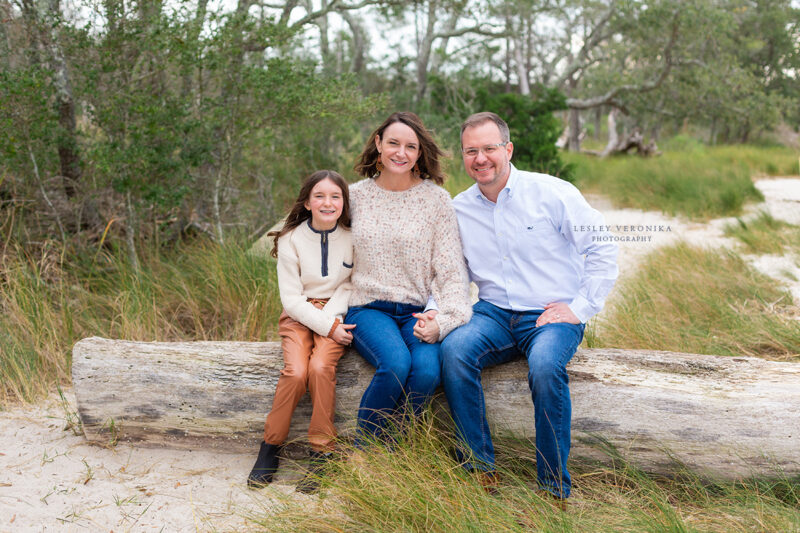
(496, 336)
(407, 370)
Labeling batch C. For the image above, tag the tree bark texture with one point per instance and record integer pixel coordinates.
(722, 416)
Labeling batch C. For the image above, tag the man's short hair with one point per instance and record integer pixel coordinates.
(487, 116)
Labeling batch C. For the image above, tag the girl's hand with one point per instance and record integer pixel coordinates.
(427, 328)
(342, 334)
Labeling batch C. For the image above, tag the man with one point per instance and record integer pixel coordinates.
(531, 245)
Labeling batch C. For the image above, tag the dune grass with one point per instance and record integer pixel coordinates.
(54, 296)
(417, 486)
(695, 300)
(765, 234)
(761, 160)
(700, 185)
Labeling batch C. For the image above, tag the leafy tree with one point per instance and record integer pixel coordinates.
(29, 130)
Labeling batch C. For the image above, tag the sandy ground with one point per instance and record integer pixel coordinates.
(53, 480)
(641, 232)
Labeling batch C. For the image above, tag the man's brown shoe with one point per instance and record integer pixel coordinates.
(489, 480)
(557, 501)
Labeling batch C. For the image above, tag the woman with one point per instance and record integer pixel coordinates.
(406, 248)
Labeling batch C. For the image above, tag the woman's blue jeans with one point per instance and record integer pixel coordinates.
(494, 336)
(407, 370)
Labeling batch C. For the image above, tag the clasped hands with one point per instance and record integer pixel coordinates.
(342, 334)
(427, 328)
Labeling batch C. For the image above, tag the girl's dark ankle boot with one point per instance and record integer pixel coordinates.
(265, 467)
(311, 481)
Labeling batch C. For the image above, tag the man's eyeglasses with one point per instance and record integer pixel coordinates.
(487, 150)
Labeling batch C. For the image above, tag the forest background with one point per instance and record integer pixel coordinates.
(145, 145)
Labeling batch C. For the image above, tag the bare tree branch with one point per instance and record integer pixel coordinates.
(574, 103)
(476, 29)
(336, 6)
(582, 60)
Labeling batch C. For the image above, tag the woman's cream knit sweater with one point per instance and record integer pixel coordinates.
(406, 247)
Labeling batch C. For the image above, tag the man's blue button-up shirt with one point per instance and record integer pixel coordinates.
(540, 243)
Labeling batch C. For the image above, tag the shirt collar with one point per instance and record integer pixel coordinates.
(323, 231)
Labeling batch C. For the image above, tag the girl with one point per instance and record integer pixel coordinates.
(315, 258)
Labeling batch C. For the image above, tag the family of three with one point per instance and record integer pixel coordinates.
(384, 265)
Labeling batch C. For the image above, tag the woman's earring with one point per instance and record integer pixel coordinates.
(415, 170)
(379, 164)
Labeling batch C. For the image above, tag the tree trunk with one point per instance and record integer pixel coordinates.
(324, 43)
(5, 39)
(34, 51)
(424, 52)
(613, 137)
(68, 154)
(522, 73)
(357, 65)
(130, 233)
(574, 139)
(508, 57)
(598, 114)
(193, 42)
(724, 416)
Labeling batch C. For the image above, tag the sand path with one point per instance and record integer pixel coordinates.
(53, 480)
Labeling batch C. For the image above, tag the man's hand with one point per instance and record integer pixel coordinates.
(426, 329)
(342, 334)
(557, 312)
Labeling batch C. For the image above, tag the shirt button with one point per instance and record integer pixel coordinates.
(505, 257)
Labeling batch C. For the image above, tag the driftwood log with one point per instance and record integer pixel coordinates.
(722, 416)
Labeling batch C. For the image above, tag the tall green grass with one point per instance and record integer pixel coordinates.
(699, 185)
(765, 234)
(694, 300)
(415, 485)
(52, 297)
(761, 160)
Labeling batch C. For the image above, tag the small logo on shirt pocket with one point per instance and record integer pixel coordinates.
(534, 226)
(346, 265)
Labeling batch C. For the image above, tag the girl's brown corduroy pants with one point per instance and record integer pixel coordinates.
(309, 361)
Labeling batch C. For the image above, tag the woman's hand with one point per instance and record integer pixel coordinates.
(342, 334)
(427, 328)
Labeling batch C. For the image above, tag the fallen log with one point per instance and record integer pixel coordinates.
(722, 416)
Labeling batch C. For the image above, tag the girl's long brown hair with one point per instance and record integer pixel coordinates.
(429, 151)
(300, 214)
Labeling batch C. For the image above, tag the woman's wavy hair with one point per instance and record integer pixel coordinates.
(300, 214)
(430, 153)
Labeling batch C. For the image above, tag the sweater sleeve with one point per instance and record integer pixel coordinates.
(450, 287)
(337, 305)
(294, 300)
